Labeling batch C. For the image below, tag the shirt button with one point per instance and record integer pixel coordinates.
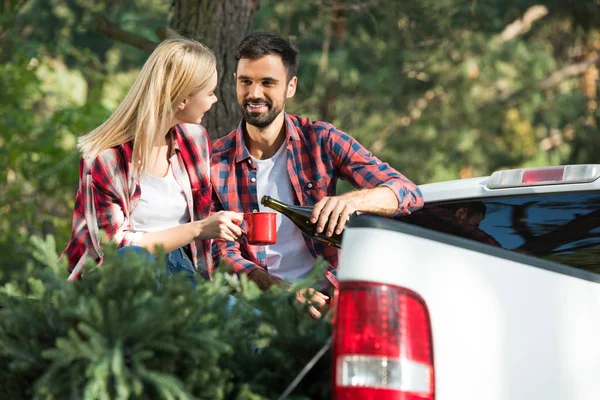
(255, 210)
(253, 179)
(310, 185)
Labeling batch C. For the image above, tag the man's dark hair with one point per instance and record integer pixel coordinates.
(260, 44)
(473, 207)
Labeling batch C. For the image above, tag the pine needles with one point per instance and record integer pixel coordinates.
(126, 331)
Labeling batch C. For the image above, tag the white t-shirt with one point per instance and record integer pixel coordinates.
(289, 258)
(162, 204)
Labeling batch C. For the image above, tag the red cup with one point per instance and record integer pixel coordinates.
(261, 228)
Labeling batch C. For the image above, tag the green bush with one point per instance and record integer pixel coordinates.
(126, 331)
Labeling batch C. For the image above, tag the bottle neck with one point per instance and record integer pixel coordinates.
(272, 203)
(284, 208)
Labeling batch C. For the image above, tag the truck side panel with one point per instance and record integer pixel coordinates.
(503, 327)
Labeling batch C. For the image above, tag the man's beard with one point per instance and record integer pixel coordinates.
(263, 119)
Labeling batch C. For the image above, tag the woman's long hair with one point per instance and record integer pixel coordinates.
(176, 69)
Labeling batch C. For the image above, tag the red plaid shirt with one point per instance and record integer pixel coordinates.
(108, 194)
(318, 154)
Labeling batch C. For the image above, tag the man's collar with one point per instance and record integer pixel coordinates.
(241, 151)
(290, 128)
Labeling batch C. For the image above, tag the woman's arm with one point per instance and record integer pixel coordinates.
(222, 225)
(110, 199)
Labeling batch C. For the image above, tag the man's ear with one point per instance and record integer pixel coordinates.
(461, 213)
(235, 76)
(291, 88)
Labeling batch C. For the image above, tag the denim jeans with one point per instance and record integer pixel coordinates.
(177, 261)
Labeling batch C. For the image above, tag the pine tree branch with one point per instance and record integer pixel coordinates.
(117, 33)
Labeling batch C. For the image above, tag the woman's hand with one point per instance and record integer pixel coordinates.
(221, 225)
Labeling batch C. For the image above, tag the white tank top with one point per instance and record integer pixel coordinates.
(289, 258)
(162, 204)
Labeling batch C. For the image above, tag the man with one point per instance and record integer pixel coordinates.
(294, 160)
(458, 219)
(471, 212)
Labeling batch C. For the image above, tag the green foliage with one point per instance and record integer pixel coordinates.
(38, 162)
(431, 87)
(127, 331)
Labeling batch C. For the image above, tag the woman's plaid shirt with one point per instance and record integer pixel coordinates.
(318, 154)
(108, 193)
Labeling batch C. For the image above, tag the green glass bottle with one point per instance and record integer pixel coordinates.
(300, 216)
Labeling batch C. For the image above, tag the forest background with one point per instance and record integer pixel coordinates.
(440, 89)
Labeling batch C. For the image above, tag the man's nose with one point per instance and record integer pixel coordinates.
(255, 92)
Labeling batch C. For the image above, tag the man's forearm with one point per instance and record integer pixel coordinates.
(263, 279)
(380, 200)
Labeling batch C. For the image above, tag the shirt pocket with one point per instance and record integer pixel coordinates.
(314, 190)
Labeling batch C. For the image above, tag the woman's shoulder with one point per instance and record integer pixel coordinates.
(193, 132)
(111, 159)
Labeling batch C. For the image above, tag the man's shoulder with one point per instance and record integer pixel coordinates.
(310, 127)
(224, 142)
(222, 146)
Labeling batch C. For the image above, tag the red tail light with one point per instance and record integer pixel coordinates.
(579, 173)
(382, 346)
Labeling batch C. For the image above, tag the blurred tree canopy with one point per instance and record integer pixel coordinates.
(440, 89)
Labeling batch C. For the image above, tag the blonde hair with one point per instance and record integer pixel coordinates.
(176, 69)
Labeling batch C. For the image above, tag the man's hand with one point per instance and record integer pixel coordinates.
(380, 200)
(334, 209)
(316, 299)
(264, 281)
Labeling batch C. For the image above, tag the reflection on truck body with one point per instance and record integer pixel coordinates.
(563, 228)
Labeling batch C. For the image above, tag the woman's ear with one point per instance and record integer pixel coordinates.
(182, 105)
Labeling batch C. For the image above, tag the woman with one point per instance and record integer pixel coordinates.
(144, 173)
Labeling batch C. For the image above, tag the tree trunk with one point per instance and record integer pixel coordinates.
(220, 25)
(335, 29)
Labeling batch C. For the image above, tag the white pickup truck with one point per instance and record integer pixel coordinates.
(426, 311)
